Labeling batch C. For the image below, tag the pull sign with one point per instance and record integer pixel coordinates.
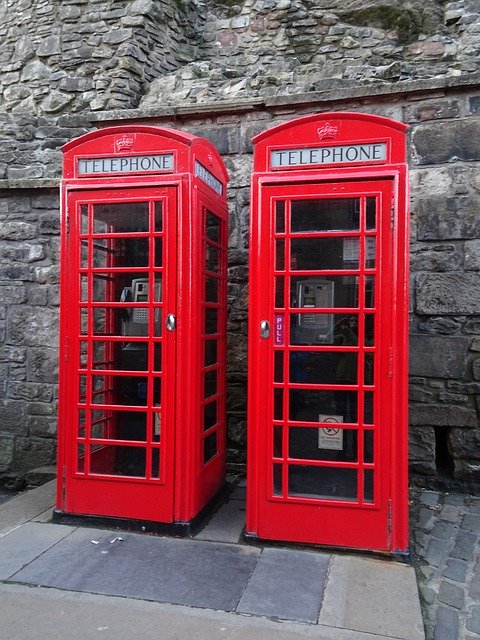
(279, 330)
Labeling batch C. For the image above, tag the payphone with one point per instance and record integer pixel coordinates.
(143, 349)
(327, 403)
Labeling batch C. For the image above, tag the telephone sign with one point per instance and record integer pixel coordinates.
(327, 414)
(143, 342)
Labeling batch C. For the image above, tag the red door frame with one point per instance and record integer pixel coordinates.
(192, 483)
(299, 520)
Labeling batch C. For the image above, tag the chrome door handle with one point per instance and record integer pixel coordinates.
(171, 322)
(264, 329)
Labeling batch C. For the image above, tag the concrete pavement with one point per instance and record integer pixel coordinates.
(67, 582)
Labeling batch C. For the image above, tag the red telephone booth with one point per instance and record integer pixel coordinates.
(143, 326)
(327, 461)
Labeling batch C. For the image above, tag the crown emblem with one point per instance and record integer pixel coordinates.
(327, 132)
(125, 142)
(210, 159)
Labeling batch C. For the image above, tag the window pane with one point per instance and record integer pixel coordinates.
(209, 415)
(213, 227)
(326, 443)
(324, 253)
(118, 461)
(323, 328)
(336, 291)
(322, 483)
(209, 447)
(280, 217)
(123, 217)
(323, 406)
(341, 214)
(313, 367)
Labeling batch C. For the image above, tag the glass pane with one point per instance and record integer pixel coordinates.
(279, 292)
(368, 440)
(157, 356)
(368, 407)
(210, 447)
(278, 404)
(322, 483)
(81, 458)
(157, 426)
(211, 321)
(83, 288)
(370, 213)
(210, 385)
(83, 218)
(211, 355)
(324, 253)
(326, 443)
(158, 261)
(118, 460)
(124, 217)
(368, 485)
(212, 260)
(278, 376)
(323, 406)
(158, 288)
(277, 480)
(341, 214)
(83, 355)
(158, 216)
(155, 463)
(209, 415)
(211, 289)
(82, 388)
(337, 291)
(323, 328)
(120, 287)
(84, 254)
(108, 424)
(280, 255)
(127, 390)
(277, 442)
(213, 227)
(280, 216)
(120, 252)
(313, 367)
(121, 356)
(370, 244)
(83, 321)
(369, 292)
(124, 321)
(369, 368)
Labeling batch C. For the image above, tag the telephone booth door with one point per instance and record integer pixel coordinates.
(143, 323)
(327, 362)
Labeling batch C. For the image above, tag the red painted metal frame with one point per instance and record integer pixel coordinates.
(384, 525)
(186, 484)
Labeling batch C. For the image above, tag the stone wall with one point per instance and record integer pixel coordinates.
(227, 70)
(29, 276)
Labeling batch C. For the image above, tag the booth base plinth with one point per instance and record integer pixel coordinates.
(177, 529)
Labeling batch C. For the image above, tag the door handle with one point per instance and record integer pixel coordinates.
(171, 322)
(264, 329)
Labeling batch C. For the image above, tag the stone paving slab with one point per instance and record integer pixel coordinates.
(226, 525)
(26, 506)
(189, 572)
(24, 544)
(32, 613)
(286, 584)
(372, 596)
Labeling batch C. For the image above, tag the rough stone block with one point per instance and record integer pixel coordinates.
(42, 426)
(422, 450)
(443, 257)
(13, 417)
(438, 357)
(448, 218)
(42, 365)
(472, 255)
(7, 447)
(448, 294)
(32, 326)
(446, 141)
(33, 452)
(442, 415)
